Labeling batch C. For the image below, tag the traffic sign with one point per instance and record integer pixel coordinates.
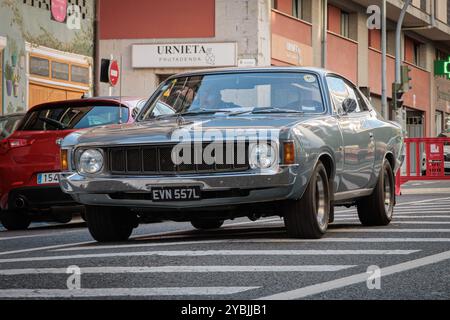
(114, 73)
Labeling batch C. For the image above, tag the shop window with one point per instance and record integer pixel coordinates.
(40, 67)
(80, 74)
(60, 71)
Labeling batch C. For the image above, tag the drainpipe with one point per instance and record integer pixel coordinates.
(96, 46)
(324, 32)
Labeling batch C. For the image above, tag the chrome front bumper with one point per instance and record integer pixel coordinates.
(262, 186)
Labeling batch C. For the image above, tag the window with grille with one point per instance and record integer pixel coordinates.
(46, 5)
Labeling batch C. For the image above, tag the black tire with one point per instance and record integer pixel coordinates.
(302, 216)
(207, 224)
(15, 220)
(108, 224)
(376, 210)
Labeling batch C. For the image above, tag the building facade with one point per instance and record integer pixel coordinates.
(156, 39)
(46, 51)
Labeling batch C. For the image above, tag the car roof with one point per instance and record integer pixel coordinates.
(130, 102)
(319, 71)
(252, 69)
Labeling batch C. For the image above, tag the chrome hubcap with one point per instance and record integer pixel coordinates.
(321, 202)
(388, 192)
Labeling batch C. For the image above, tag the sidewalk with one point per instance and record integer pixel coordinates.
(426, 187)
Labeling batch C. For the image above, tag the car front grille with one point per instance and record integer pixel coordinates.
(157, 159)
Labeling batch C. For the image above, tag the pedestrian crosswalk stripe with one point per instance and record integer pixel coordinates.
(357, 278)
(199, 253)
(364, 230)
(122, 292)
(45, 248)
(179, 269)
(401, 217)
(421, 222)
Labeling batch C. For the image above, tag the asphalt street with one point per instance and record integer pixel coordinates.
(409, 259)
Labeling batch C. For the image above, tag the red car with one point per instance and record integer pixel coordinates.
(30, 157)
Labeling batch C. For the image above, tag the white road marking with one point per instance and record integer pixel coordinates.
(421, 222)
(122, 292)
(179, 269)
(252, 222)
(363, 230)
(401, 217)
(39, 235)
(45, 248)
(200, 253)
(357, 278)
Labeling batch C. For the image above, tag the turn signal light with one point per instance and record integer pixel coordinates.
(64, 160)
(289, 153)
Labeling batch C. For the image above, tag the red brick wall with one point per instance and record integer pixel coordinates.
(375, 39)
(409, 50)
(144, 19)
(291, 28)
(284, 6)
(342, 57)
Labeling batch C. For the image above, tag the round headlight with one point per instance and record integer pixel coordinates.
(262, 156)
(91, 161)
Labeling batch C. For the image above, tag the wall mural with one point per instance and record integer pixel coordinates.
(32, 22)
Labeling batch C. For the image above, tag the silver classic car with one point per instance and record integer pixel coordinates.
(220, 144)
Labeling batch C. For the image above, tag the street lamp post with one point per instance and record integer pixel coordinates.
(398, 60)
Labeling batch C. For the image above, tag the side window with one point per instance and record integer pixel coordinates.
(353, 95)
(338, 91)
(363, 101)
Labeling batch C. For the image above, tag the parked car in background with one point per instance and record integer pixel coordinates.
(327, 147)
(30, 157)
(9, 123)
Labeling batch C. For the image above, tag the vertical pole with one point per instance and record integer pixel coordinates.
(384, 103)
(398, 58)
(120, 88)
(110, 86)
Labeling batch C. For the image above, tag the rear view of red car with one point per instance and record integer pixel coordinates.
(30, 157)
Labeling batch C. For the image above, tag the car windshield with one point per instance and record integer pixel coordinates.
(259, 92)
(80, 117)
(8, 125)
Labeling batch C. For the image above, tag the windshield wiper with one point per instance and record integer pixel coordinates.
(275, 110)
(54, 123)
(206, 111)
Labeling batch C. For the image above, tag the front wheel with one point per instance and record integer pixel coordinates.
(207, 224)
(308, 217)
(107, 224)
(378, 208)
(15, 220)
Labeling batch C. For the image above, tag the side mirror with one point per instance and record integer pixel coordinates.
(349, 105)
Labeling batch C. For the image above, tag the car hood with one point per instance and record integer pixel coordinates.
(165, 130)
